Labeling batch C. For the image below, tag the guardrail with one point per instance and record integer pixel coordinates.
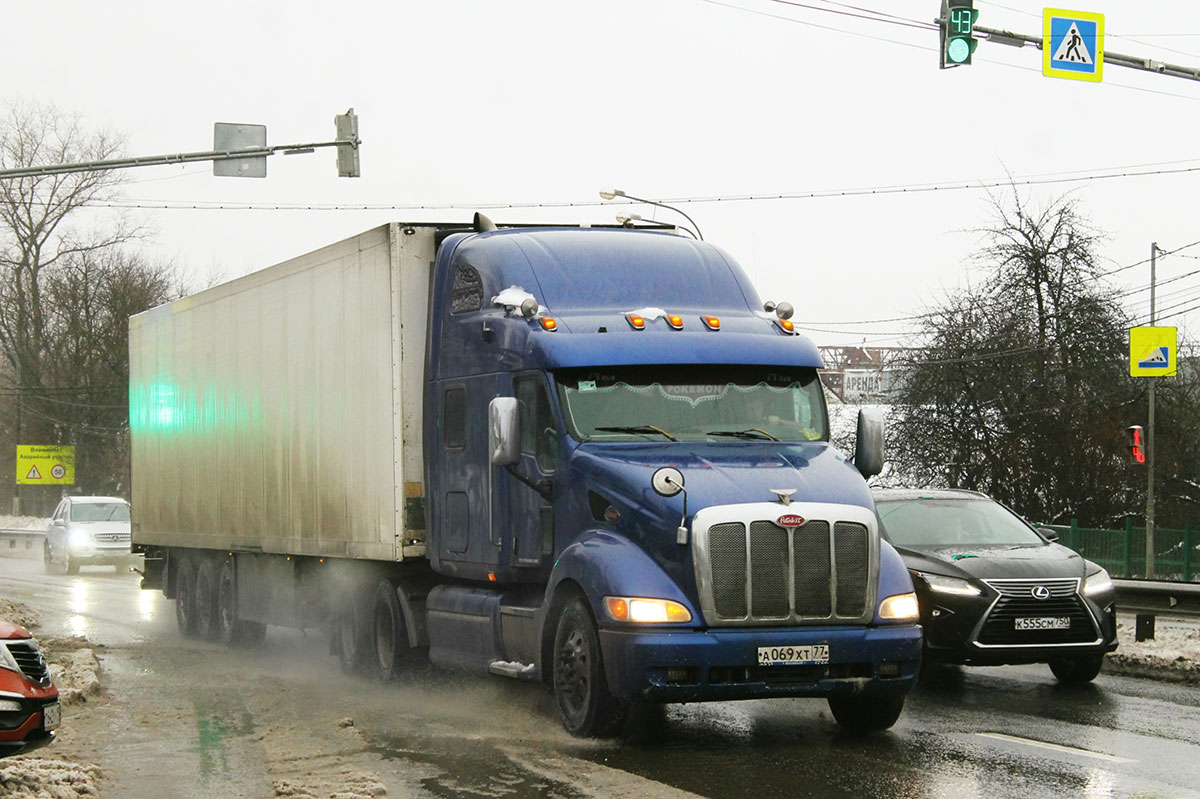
(22, 543)
(1161, 597)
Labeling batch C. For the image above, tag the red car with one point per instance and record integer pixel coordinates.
(29, 709)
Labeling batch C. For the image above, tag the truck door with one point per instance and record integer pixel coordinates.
(528, 530)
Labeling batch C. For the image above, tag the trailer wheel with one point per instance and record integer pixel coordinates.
(866, 714)
(231, 630)
(1077, 670)
(350, 632)
(389, 634)
(206, 600)
(586, 706)
(185, 597)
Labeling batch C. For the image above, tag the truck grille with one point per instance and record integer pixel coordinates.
(29, 660)
(1016, 600)
(758, 572)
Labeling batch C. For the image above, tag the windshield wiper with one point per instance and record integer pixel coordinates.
(638, 428)
(753, 433)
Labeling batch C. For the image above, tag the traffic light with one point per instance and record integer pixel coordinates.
(957, 26)
(346, 128)
(1137, 451)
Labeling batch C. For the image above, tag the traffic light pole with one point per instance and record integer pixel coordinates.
(1150, 439)
(1119, 59)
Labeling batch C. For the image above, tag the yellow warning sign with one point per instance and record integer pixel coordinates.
(45, 465)
(1152, 351)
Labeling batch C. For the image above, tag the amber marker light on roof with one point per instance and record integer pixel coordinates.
(635, 321)
(675, 321)
(548, 323)
(787, 325)
(713, 322)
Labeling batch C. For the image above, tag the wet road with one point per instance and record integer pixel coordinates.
(186, 718)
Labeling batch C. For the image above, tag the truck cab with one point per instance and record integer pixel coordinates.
(631, 485)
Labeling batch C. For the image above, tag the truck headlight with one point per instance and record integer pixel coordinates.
(949, 585)
(79, 538)
(900, 607)
(1097, 583)
(646, 611)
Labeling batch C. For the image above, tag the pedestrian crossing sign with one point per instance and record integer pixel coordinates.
(1152, 351)
(1072, 44)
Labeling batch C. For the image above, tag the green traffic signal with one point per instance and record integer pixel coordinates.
(957, 27)
(958, 51)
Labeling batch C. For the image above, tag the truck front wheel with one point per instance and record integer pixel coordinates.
(585, 704)
(866, 713)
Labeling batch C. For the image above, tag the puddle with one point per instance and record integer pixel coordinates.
(457, 768)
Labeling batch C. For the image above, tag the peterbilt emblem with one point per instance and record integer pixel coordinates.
(1040, 592)
(784, 494)
(790, 520)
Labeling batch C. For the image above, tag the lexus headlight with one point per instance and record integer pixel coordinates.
(1097, 583)
(900, 606)
(949, 585)
(646, 611)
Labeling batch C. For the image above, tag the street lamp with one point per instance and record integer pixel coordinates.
(612, 194)
(627, 220)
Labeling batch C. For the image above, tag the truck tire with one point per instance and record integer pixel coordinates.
(350, 631)
(206, 600)
(47, 561)
(866, 713)
(389, 635)
(586, 706)
(231, 630)
(70, 565)
(1077, 670)
(185, 597)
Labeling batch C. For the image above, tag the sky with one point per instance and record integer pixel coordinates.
(802, 138)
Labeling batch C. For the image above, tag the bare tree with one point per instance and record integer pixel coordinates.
(67, 285)
(36, 220)
(1021, 389)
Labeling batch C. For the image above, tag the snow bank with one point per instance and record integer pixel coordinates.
(24, 523)
(1173, 655)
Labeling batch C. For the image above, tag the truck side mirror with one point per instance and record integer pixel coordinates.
(504, 433)
(868, 448)
(1048, 533)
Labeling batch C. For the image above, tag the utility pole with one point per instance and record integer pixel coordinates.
(1150, 438)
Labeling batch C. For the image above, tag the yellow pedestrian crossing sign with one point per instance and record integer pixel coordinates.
(45, 465)
(1072, 44)
(1152, 351)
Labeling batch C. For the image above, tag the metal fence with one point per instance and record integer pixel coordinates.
(1123, 552)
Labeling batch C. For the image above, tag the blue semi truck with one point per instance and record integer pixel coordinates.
(588, 456)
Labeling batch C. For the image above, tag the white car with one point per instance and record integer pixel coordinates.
(88, 531)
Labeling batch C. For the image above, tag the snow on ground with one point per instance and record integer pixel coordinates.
(40, 775)
(23, 523)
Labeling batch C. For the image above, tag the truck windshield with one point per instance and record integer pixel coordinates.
(693, 403)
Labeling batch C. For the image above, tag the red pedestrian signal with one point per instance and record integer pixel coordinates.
(1137, 449)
